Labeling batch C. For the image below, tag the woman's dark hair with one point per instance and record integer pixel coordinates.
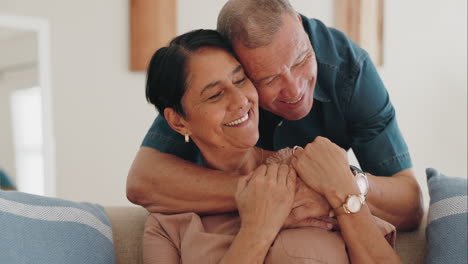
(166, 80)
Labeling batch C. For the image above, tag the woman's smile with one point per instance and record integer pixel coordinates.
(241, 121)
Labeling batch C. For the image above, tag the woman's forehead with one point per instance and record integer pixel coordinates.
(208, 66)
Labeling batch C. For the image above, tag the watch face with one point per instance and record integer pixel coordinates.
(353, 203)
(362, 184)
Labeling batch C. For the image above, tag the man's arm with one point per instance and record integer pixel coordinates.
(396, 199)
(167, 184)
(380, 148)
(164, 183)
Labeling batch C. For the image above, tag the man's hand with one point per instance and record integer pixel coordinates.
(324, 167)
(308, 210)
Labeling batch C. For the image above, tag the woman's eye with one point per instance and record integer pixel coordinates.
(240, 81)
(215, 95)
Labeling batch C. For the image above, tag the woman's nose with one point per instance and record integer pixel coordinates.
(238, 100)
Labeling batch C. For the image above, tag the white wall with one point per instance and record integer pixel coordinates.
(425, 71)
(101, 115)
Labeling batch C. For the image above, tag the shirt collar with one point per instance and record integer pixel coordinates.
(320, 94)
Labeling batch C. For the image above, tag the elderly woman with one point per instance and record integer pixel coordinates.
(203, 93)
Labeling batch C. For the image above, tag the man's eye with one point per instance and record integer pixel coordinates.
(301, 62)
(270, 81)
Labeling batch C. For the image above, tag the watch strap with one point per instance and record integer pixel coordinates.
(343, 209)
(356, 171)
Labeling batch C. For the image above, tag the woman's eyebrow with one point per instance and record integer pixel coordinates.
(237, 69)
(209, 86)
(213, 84)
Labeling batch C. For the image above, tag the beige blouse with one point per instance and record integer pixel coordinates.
(190, 238)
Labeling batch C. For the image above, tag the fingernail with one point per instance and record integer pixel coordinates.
(329, 226)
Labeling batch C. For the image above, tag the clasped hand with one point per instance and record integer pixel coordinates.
(273, 197)
(265, 198)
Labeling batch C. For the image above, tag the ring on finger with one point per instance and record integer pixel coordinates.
(294, 148)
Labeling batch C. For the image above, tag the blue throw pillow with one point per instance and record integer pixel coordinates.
(5, 182)
(37, 229)
(446, 231)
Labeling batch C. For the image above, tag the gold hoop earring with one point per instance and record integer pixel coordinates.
(187, 138)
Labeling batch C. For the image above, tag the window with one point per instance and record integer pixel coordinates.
(26, 109)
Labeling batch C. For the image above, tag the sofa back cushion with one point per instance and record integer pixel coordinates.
(446, 230)
(37, 229)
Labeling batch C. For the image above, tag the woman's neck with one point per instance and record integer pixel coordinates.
(236, 161)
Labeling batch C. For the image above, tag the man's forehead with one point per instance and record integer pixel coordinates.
(261, 62)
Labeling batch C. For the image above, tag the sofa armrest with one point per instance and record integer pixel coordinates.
(127, 227)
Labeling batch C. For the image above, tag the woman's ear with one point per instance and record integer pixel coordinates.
(176, 121)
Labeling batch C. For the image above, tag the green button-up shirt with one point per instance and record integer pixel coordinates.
(351, 108)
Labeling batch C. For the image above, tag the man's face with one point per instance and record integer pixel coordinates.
(284, 72)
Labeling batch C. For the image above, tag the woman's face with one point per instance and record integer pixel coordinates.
(220, 103)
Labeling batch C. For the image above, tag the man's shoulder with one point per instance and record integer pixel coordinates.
(332, 47)
(161, 134)
(163, 138)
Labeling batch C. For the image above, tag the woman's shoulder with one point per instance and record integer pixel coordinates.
(280, 156)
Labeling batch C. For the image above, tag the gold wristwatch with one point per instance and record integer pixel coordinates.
(354, 202)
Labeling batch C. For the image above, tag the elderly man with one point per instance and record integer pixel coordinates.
(313, 83)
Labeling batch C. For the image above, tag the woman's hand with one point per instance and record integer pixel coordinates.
(309, 208)
(265, 199)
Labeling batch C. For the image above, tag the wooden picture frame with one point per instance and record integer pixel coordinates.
(363, 22)
(152, 25)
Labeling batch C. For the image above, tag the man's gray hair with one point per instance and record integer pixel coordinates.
(253, 22)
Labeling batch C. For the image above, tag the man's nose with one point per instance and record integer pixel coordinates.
(291, 87)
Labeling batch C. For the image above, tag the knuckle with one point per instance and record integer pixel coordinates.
(284, 168)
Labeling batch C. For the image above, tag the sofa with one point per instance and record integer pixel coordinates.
(128, 223)
(38, 229)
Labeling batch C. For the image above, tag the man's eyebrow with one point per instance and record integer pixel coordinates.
(264, 78)
(213, 84)
(303, 53)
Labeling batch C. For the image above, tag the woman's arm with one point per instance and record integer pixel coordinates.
(364, 240)
(158, 246)
(328, 173)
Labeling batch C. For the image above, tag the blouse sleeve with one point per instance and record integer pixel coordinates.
(158, 246)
